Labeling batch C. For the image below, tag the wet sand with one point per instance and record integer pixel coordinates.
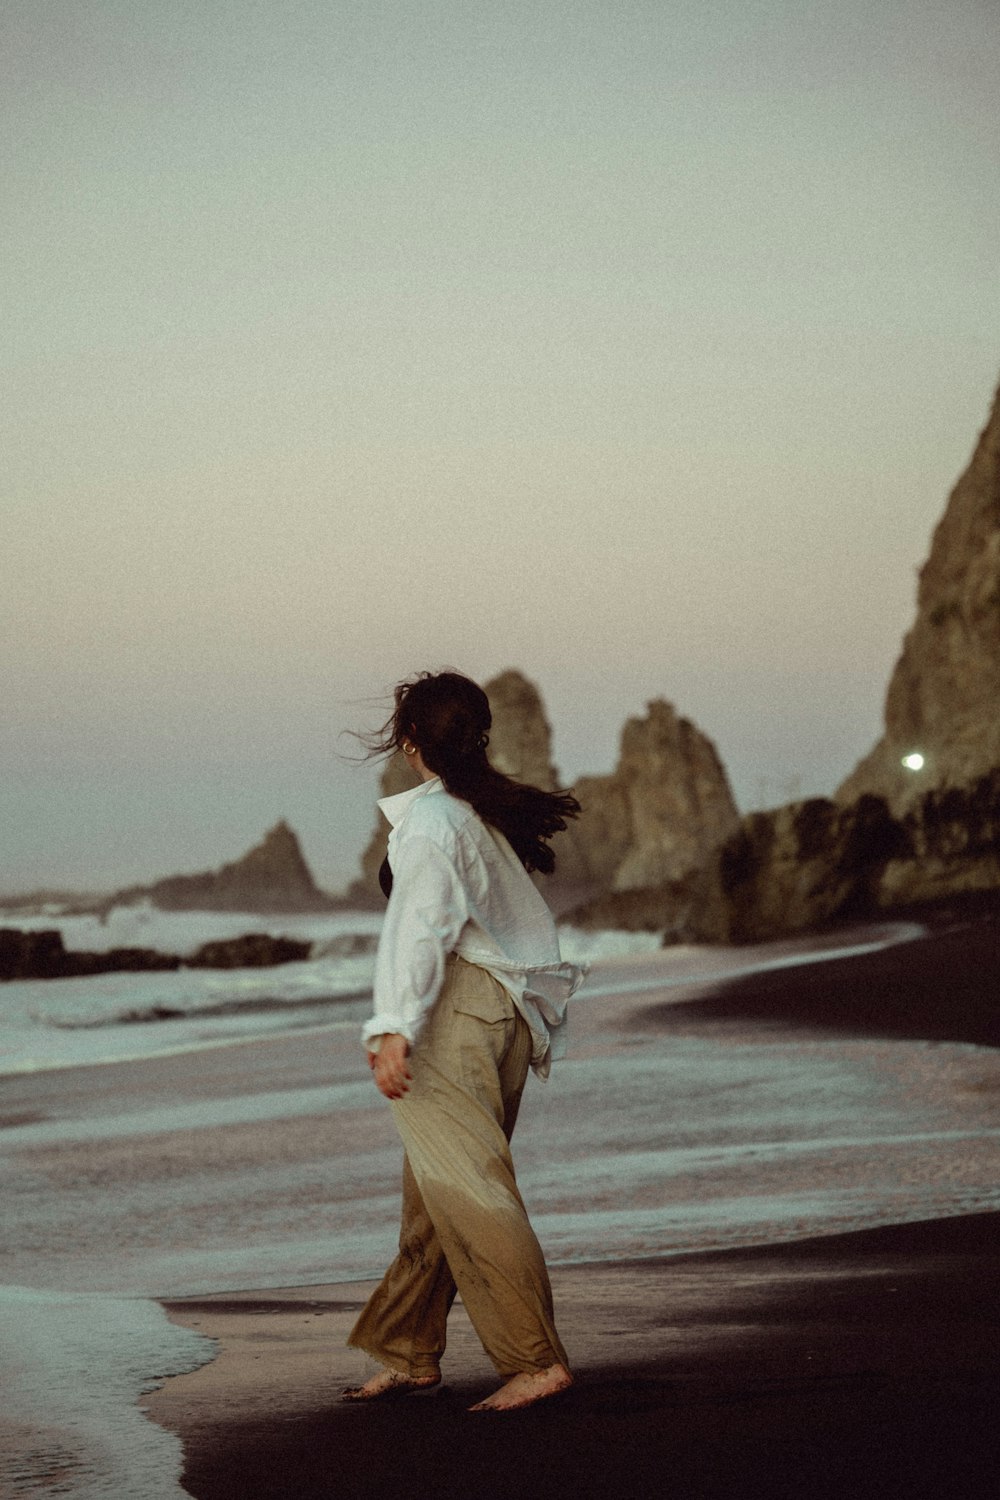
(850, 1365)
(854, 1365)
(944, 986)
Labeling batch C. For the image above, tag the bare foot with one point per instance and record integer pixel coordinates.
(526, 1389)
(388, 1383)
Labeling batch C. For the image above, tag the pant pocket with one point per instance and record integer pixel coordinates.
(476, 993)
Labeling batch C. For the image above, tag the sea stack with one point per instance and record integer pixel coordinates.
(520, 736)
(271, 877)
(662, 813)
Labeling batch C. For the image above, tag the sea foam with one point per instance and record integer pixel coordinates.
(75, 1368)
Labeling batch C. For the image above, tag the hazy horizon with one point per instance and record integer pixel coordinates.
(637, 348)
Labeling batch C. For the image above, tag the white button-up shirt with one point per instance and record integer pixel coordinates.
(458, 887)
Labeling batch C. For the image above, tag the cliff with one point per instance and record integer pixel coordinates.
(943, 698)
(815, 862)
(271, 877)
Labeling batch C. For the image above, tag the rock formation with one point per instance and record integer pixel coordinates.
(660, 845)
(944, 696)
(271, 877)
(41, 955)
(520, 736)
(813, 863)
(656, 819)
(692, 910)
(662, 812)
(521, 747)
(254, 950)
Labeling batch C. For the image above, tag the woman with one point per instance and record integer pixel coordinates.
(469, 992)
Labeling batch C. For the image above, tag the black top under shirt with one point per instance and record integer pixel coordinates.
(385, 877)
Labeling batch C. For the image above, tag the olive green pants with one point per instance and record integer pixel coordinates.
(464, 1223)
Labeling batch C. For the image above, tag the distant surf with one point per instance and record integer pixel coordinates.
(125, 1016)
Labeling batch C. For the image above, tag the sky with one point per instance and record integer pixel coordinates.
(634, 345)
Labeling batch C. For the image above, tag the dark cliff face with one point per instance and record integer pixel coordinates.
(895, 839)
(814, 863)
(944, 695)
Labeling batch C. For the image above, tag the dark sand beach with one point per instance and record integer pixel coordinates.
(944, 986)
(853, 1365)
(850, 1364)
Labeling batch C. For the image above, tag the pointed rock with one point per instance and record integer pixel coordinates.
(520, 737)
(664, 810)
(271, 877)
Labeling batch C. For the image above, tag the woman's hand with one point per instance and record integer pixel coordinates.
(389, 1065)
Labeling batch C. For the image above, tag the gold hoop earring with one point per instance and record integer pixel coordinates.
(409, 749)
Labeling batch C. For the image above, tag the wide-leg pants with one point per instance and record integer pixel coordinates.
(464, 1223)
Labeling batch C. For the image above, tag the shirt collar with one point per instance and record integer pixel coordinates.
(396, 808)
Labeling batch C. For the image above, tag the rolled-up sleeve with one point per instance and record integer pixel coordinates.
(426, 913)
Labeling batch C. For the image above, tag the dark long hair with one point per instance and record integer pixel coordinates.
(447, 716)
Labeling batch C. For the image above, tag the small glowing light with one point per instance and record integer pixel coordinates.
(913, 762)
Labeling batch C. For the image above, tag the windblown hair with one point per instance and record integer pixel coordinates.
(447, 716)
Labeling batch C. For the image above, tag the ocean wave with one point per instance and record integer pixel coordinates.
(580, 946)
(220, 997)
(167, 1011)
(76, 1367)
(183, 933)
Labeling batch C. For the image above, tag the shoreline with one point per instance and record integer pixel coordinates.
(115, 1038)
(942, 985)
(841, 1366)
(732, 1190)
(838, 1365)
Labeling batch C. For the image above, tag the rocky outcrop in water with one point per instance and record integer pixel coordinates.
(271, 877)
(521, 747)
(41, 955)
(944, 696)
(254, 950)
(520, 736)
